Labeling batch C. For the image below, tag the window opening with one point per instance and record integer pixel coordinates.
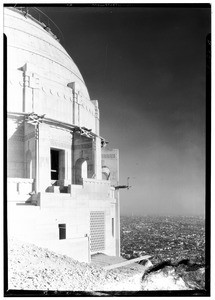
(80, 170)
(62, 231)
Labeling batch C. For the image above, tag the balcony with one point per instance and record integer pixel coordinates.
(19, 189)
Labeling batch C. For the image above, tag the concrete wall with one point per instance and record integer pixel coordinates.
(15, 144)
(19, 189)
(110, 159)
(41, 227)
(40, 224)
(94, 195)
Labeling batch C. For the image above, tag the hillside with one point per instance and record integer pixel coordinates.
(35, 268)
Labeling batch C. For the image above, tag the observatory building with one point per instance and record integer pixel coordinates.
(61, 178)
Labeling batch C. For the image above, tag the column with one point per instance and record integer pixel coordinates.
(35, 120)
(75, 90)
(117, 210)
(31, 88)
(97, 157)
(117, 224)
(37, 158)
(72, 159)
(95, 102)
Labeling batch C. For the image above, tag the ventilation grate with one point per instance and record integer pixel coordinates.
(97, 231)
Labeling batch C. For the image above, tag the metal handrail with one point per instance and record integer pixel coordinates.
(38, 16)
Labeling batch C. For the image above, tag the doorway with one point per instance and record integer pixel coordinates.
(54, 164)
(57, 157)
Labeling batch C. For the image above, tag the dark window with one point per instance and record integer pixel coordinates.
(54, 164)
(112, 226)
(62, 231)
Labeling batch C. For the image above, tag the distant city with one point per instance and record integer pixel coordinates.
(165, 238)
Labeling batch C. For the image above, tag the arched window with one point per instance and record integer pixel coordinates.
(105, 173)
(80, 170)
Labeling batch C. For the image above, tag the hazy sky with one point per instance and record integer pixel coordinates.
(146, 66)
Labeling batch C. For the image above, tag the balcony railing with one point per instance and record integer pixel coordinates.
(20, 186)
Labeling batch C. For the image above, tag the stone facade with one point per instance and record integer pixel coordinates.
(60, 186)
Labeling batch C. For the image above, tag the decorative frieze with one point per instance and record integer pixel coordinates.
(59, 93)
(108, 156)
(44, 89)
(83, 146)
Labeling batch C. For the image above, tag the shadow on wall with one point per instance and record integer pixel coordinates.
(19, 165)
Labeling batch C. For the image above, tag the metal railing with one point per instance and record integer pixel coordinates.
(41, 18)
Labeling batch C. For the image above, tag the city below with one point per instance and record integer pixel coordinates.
(163, 237)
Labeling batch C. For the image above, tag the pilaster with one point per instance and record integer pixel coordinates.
(31, 88)
(97, 157)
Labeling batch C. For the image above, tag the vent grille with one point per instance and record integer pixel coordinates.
(97, 231)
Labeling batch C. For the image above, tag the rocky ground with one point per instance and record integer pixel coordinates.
(174, 278)
(34, 268)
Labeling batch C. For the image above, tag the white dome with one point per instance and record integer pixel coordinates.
(30, 38)
(34, 55)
